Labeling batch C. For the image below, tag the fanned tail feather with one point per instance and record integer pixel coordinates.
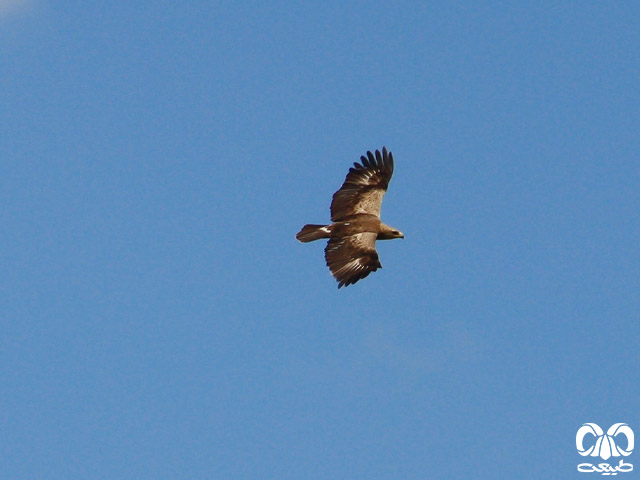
(309, 233)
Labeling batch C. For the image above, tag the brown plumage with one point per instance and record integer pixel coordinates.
(355, 212)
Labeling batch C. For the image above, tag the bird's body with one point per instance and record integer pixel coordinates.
(355, 212)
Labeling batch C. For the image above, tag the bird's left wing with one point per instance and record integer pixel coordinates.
(352, 258)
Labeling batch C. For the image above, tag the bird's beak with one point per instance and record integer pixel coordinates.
(402, 235)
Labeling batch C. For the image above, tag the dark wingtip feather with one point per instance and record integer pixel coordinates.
(378, 160)
(372, 159)
(388, 158)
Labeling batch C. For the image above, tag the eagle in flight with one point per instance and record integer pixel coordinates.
(355, 212)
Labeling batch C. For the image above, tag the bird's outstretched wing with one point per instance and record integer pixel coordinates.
(352, 258)
(364, 187)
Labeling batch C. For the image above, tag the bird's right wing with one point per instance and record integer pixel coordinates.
(364, 186)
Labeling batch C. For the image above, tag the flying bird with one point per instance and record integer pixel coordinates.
(355, 212)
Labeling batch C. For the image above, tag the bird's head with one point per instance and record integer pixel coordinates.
(390, 233)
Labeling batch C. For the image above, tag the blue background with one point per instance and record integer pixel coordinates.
(158, 318)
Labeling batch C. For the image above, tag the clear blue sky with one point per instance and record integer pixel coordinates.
(159, 319)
